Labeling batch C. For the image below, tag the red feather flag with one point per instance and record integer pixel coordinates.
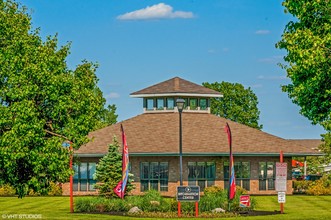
(232, 183)
(121, 186)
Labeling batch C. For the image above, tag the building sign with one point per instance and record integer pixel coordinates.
(281, 177)
(244, 201)
(188, 193)
(281, 197)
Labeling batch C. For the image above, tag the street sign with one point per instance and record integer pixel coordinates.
(281, 177)
(244, 201)
(188, 193)
(281, 197)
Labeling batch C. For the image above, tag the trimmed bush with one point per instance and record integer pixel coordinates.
(54, 189)
(215, 197)
(7, 190)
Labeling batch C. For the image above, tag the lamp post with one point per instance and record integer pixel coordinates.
(180, 105)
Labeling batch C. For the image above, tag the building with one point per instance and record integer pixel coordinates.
(153, 140)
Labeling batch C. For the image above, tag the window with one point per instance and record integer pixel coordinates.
(242, 171)
(154, 175)
(203, 104)
(186, 102)
(160, 104)
(193, 104)
(170, 103)
(266, 175)
(150, 104)
(201, 174)
(83, 177)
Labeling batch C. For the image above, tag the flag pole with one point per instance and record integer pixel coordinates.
(232, 183)
(121, 186)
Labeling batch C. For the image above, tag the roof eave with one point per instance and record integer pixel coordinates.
(176, 94)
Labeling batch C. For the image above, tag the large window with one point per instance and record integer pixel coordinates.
(154, 175)
(242, 171)
(193, 104)
(203, 104)
(160, 104)
(201, 174)
(170, 103)
(267, 175)
(83, 177)
(150, 104)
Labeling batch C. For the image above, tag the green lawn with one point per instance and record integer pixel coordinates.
(296, 207)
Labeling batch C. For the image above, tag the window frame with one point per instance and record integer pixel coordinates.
(241, 180)
(158, 101)
(158, 182)
(208, 177)
(80, 180)
(267, 181)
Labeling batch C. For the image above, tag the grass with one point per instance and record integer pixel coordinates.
(296, 207)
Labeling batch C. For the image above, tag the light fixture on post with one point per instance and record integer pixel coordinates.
(180, 106)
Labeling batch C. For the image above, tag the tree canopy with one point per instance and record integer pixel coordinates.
(237, 104)
(307, 41)
(42, 104)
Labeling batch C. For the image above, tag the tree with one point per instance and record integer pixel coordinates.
(307, 41)
(108, 116)
(109, 171)
(238, 104)
(42, 104)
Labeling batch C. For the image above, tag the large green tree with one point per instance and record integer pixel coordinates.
(42, 104)
(307, 41)
(237, 104)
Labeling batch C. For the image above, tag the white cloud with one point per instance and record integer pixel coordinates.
(159, 11)
(262, 32)
(112, 95)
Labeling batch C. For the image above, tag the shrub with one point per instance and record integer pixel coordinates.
(7, 190)
(33, 193)
(101, 204)
(215, 197)
(301, 186)
(153, 201)
(54, 189)
(320, 187)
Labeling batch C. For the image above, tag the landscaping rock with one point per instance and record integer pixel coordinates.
(134, 210)
(218, 210)
(155, 203)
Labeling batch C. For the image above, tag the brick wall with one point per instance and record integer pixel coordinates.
(173, 163)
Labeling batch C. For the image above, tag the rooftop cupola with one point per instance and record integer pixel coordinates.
(162, 97)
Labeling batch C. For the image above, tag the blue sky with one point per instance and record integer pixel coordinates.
(139, 43)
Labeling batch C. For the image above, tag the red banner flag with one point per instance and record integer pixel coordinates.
(232, 182)
(118, 189)
(121, 186)
(125, 163)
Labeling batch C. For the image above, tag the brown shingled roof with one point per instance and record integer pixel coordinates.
(158, 133)
(176, 85)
